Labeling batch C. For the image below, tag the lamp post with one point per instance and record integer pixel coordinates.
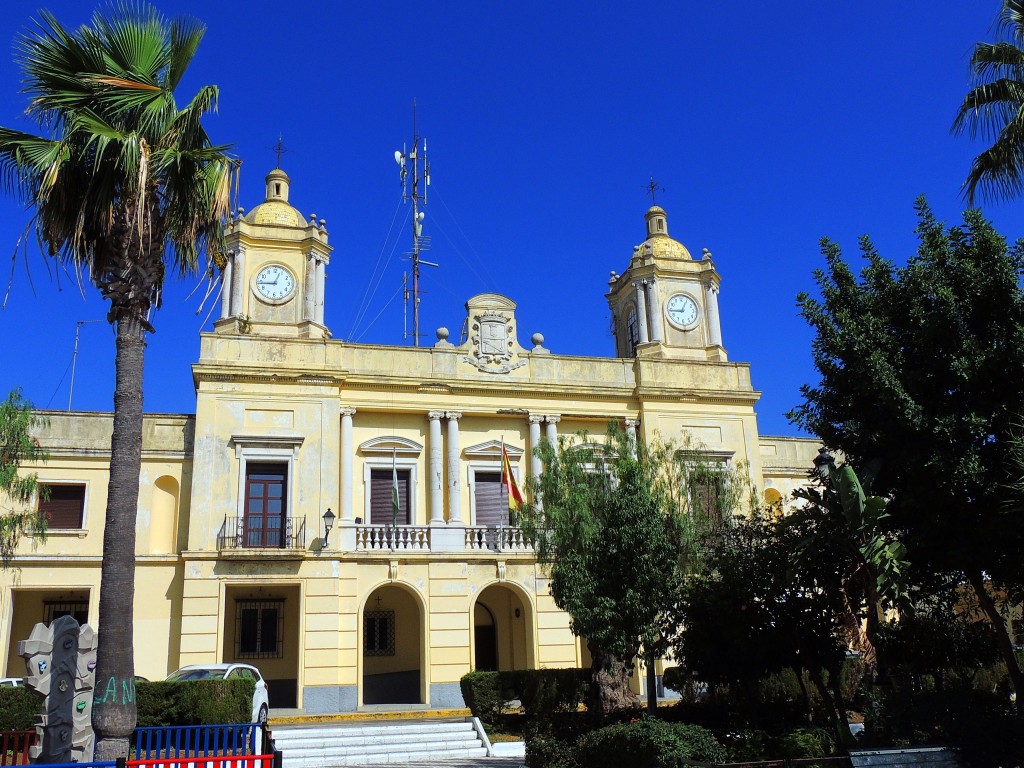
(328, 524)
(824, 463)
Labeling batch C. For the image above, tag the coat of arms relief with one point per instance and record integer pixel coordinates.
(492, 341)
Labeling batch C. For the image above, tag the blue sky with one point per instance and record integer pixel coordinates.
(769, 125)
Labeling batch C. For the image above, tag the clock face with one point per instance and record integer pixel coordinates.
(682, 311)
(275, 282)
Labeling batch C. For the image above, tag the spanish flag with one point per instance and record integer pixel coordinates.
(515, 498)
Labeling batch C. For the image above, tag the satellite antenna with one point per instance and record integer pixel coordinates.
(414, 174)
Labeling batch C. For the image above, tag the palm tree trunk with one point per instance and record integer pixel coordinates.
(114, 713)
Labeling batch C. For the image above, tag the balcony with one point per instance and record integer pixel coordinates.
(249, 533)
(423, 538)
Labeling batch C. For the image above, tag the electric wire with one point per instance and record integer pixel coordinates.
(367, 295)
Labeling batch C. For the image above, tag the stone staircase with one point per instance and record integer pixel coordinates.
(329, 745)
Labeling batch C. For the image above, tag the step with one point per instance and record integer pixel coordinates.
(376, 749)
(291, 733)
(381, 759)
(427, 742)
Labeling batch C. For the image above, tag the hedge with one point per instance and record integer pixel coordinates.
(18, 709)
(648, 742)
(194, 702)
(539, 691)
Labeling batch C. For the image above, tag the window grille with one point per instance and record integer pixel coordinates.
(258, 629)
(379, 633)
(54, 609)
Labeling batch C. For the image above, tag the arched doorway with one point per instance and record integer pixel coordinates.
(392, 647)
(502, 630)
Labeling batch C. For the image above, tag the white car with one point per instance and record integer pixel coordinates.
(12, 682)
(261, 697)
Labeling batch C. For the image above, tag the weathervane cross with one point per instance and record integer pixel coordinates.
(653, 188)
(280, 149)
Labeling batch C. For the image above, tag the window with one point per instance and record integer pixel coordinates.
(379, 633)
(708, 493)
(54, 609)
(632, 334)
(265, 494)
(491, 498)
(258, 632)
(381, 484)
(65, 507)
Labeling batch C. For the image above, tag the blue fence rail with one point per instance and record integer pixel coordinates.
(198, 740)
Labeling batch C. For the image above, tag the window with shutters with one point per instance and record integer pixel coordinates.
(490, 499)
(709, 497)
(382, 482)
(64, 506)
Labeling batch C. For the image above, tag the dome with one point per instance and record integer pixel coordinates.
(275, 209)
(658, 243)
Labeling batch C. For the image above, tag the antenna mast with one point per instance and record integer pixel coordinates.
(415, 181)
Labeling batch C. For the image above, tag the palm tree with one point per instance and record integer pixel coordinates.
(994, 109)
(126, 187)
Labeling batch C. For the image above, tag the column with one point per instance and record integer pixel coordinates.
(227, 288)
(535, 464)
(631, 425)
(454, 499)
(655, 302)
(714, 323)
(320, 275)
(347, 451)
(436, 469)
(309, 289)
(551, 430)
(238, 283)
(641, 312)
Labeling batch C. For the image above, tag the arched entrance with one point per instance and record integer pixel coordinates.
(392, 647)
(502, 630)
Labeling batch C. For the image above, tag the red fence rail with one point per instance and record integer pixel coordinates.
(228, 761)
(14, 746)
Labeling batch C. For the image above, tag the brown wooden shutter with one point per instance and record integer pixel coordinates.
(491, 499)
(380, 496)
(65, 506)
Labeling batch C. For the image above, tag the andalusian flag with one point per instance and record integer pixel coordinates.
(515, 498)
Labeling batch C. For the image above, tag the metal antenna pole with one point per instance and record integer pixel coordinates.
(74, 359)
(418, 196)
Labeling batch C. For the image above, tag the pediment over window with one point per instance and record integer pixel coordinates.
(492, 450)
(270, 443)
(388, 444)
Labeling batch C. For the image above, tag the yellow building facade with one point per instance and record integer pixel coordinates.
(388, 607)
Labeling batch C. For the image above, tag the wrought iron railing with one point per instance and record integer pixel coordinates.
(263, 533)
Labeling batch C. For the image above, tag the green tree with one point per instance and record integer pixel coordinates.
(994, 109)
(617, 529)
(127, 187)
(755, 610)
(17, 446)
(870, 561)
(922, 371)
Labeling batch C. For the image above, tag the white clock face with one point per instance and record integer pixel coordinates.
(275, 282)
(682, 311)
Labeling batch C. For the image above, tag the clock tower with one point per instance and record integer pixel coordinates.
(276, 269)
(665, 305)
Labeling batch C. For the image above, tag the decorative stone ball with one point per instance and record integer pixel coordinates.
(537, 339)
(442, 333)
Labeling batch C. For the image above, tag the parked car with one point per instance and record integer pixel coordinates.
(12, 682)
(260, 698)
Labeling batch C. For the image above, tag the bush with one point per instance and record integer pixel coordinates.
(194, 702)
(541, 692)
(648, 743)
(799, 743)
(18, 709)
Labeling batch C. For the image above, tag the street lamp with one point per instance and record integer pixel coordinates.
(824, 463)
(328, 524)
